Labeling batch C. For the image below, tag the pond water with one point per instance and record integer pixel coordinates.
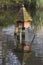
(8, 37)
(37, 49)
(12, 59)
(9, 30)
(38, 43)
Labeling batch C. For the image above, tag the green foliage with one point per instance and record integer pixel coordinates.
(8, 17)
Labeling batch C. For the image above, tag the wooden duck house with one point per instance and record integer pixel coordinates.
(23, 21)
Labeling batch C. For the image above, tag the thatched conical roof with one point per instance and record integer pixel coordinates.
(23, 15)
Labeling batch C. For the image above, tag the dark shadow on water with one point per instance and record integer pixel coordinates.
(28, 58)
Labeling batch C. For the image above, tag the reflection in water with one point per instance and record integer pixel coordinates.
(37, 46)
(30, 59)
(12, 59)
(9, 30)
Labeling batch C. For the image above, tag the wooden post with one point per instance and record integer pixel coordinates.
(20, 37)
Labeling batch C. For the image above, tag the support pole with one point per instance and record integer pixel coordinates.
(20, 37)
